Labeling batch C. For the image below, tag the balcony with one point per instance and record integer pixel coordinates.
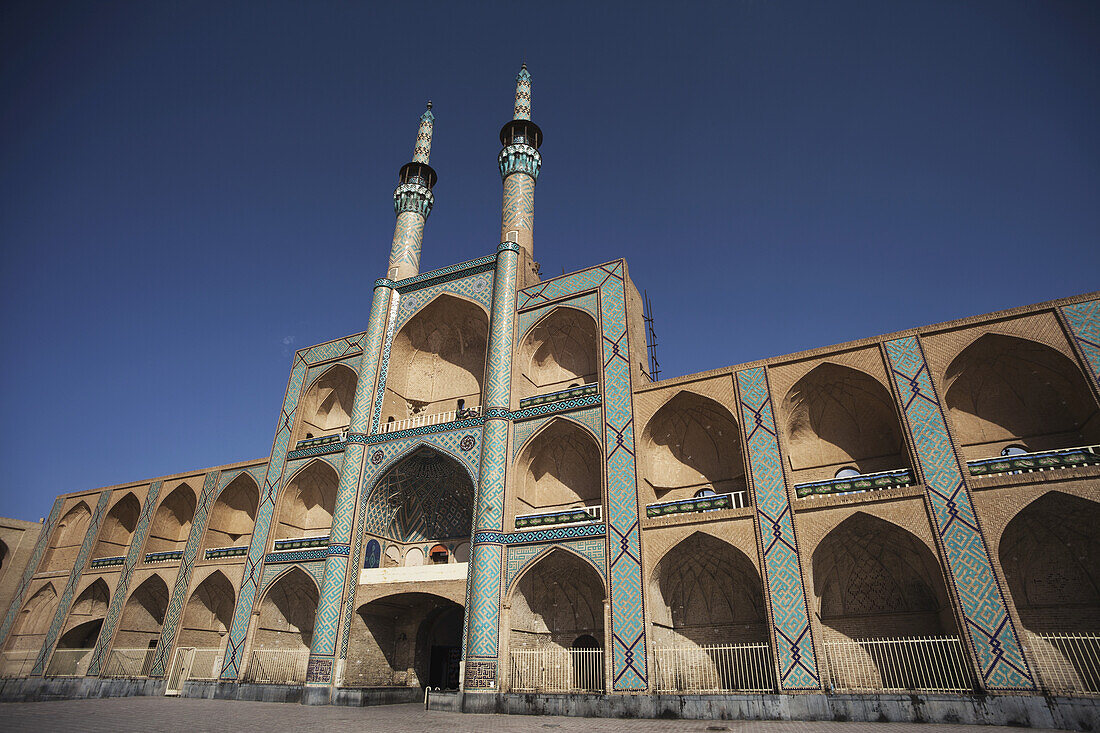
(169, 556)
(217, 552)
(339, 437)
(301, 543)
(706, 503)
(577, 515)
(1088, 455)
(107, 562)
(438, 418)
(856, 484)
(565, 394)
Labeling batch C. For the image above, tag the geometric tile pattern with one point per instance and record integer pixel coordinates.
(443, 274)
(628, 637)
(588, 303)
(522, 431)
(520, 557)
(790, 623)
(210, 492)
(387, 344)
(315, 570)
(118, 598)
(70, 586)
(555, 408)
(477, 288)
(553, 534)
(1084, 321)
(32, 565)
(485, 601)
(988, 626)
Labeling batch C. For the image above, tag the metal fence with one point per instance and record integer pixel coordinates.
(277, 666)
(557, 670)
(129, 662)
(1066, 663)
(714, 668)
(18, 663)
(919, 663)
(438, 418)
(69, 663)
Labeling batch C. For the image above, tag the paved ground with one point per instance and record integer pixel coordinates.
(173, 715)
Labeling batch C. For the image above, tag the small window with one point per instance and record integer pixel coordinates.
(705, 492)
(847, 472)
(439, 555)
(1013, 450)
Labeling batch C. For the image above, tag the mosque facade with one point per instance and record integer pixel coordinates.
(487, 489)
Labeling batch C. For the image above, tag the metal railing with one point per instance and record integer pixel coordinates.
(1066, 663)
(576, 515)
(17, 663)
(339, 437)
(856, 484)
(69, 663)
(277, 666)
(206, 664)
(438, 418)
(705, 503)
(562, 394)
(1086, 455)
(923, 663)
(557, 670)
(129, 662)
(714, 668)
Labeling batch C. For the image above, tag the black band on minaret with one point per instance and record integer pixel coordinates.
(421, 173)
(521, 131)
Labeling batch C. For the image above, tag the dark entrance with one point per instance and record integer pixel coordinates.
(445, 648)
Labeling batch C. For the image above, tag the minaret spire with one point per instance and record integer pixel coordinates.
(412, 202)
(519, 169)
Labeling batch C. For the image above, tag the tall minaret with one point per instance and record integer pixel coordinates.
(519, 168)
(412, 202)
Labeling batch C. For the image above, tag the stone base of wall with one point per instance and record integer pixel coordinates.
(1034, 711)
(38, 689)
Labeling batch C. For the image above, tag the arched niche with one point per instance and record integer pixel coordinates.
(67, 538)
(234, 515)
(691, 444)
(406, 640)
(34, 619)
(556, 601)
(426, 496)
(559, 352)
(118, 527)
(1003, 390)
(560, 467)
(838, 417)
(287, 613)
(1050, 554)
(437, 358)
(3, 555)
(326, 406)
(172, 521)
(143, 615)
(208, 613)
(86, 617)
(308, 502)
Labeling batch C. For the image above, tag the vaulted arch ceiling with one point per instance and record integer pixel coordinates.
(425, 496)
(560, 467)
(326, 405)
(560, 350)
(308, 502)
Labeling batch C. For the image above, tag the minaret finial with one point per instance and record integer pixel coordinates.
(523, 94)
(423, 147)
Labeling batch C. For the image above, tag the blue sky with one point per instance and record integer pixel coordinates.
(191, 191)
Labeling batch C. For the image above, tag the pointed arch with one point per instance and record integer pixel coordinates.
(560, 350)
(836, 416)
(1005, 389)
(67, 538)
(118, 527)
(142, 616)
(326, 404)
(233, 517)
(530, 563)
(287, 611)
(1050, 554)
(560, 467)
(172, 520)
(555, 601)
(437, 358)
(34, 619)
(426, 494)
(308, 501)
(208, 613)
(691, 443)
(86, 617)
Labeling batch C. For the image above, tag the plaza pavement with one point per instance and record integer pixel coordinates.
(173, 715)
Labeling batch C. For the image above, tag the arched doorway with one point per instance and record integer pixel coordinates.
(138, 630)
(405, 640)
(555, 603)
(284, 630)
(74, 648)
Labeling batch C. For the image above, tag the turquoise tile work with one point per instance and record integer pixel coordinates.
(987, 624)
(36, 557)
(1084, 321)
(790, 624)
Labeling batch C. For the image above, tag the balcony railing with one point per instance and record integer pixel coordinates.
(1067, 663)
(709, 503)
(557, 670)
(129, 662)
(438, 418)
(107, 562)
(277, 666)
(168, 556)
(856, 484)
(17, 663)
(1088, 455)
(339, 437)
(301, 543)
(714, 668)
(565, 394)
(215, 552)
(918, 663)
(578, 515)
(69, 663)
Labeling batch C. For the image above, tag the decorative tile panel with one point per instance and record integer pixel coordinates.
(592, 418)
(542, 535)
(790, 622)
(314, 569)
(521, 556)
(478, 288)
(36, 557)
(589, 303)
(987, 623)
(1084, 321)
(122, 587)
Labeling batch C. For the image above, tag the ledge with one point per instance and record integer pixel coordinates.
(1088, 455)
(215, 553)
(565, 394)
(168, 556)
(107, 562)
(697, 504)
(896, 478)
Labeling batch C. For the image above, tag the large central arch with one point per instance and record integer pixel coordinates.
(406, 640)
(425, 496)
